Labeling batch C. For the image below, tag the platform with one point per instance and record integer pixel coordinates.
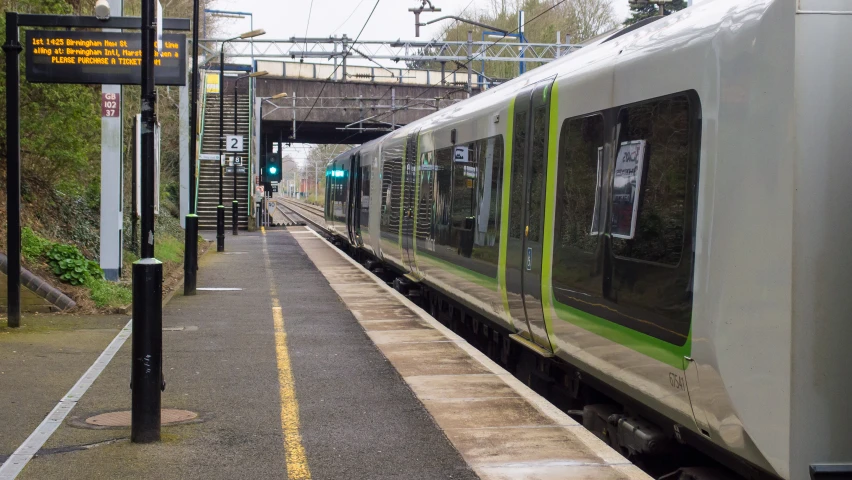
(300, 364)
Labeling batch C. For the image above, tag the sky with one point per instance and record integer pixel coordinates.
(391, 21)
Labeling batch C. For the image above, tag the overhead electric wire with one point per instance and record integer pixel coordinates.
(337, 67)
(465, 64)
(347, 18)
(307, 25)
(435, 39)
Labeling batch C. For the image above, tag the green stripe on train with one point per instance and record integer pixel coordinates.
(549, 209)
(504, 208)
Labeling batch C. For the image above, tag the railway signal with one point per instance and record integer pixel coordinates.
(272, 171)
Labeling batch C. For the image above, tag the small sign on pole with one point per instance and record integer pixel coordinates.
(233, 143)
(109, 104)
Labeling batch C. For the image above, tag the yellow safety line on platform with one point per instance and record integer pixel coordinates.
(294, 451)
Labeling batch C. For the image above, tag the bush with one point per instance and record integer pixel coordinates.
(32, 245)
(71, 266)
(108, 294)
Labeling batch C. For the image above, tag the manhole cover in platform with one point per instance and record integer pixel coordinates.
(122, 419)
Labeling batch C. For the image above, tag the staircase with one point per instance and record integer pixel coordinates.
(208, 175)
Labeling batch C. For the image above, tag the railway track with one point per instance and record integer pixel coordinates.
(309, 213)
(283, 215)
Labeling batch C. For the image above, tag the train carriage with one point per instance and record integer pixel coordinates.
(662, 209)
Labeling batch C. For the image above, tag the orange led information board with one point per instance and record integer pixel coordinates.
(112, 58)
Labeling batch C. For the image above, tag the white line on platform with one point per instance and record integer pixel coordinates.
(12, 467)
(220, 289)
(234, 253)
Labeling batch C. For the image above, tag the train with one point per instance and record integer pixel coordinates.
(664, 210)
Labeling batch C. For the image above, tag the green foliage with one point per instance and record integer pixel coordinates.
(60, 124)
(168, 248)
(108, 294)
(32, 245)
(71, 266)
(639, 12)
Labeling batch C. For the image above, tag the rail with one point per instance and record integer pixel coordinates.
(311, 214)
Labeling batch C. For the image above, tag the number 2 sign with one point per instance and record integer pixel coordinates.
(233, 143)
(109, 104)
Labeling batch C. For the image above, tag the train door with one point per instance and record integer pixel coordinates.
(354, 200)
(526, 210)
(409, 201)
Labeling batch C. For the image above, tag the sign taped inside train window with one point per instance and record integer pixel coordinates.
(626, 185)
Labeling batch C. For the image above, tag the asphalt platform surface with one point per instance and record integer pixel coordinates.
(357, 418)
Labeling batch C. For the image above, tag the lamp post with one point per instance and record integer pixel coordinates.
(220, 209)
(235, 204)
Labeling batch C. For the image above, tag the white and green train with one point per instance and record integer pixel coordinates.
(666, 210)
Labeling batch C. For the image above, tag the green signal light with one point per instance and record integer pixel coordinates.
(273, 170)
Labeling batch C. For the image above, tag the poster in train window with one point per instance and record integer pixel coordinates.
(598, 184)
(626, 185)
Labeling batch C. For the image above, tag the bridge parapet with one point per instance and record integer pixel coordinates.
(368, 74)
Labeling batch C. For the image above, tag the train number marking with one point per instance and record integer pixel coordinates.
(677, 381)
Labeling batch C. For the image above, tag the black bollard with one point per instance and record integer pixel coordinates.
(234, 211)
(146, 369)
(190, 264)
(220, 228)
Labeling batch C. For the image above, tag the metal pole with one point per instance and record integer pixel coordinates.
(293, 133)
(13, 48)
(220, 209)
(469, 56)
(190, 259)
(343, 74)
(235, 203)
(147, 347)
(522, 66)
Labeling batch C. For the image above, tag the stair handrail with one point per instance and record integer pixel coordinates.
(199, 142)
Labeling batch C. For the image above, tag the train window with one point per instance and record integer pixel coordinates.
(537, 171)
(425, 204)
(465, 178)
(486, 235)
(659, 131)
(651, 273)
(387, 179)
(443, 198)
(365, 193)
(576, 249)
(516, 192)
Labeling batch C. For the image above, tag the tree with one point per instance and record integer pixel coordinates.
(641, 11)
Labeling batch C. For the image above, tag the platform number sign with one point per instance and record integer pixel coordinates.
(234, 143)
(109, 104)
